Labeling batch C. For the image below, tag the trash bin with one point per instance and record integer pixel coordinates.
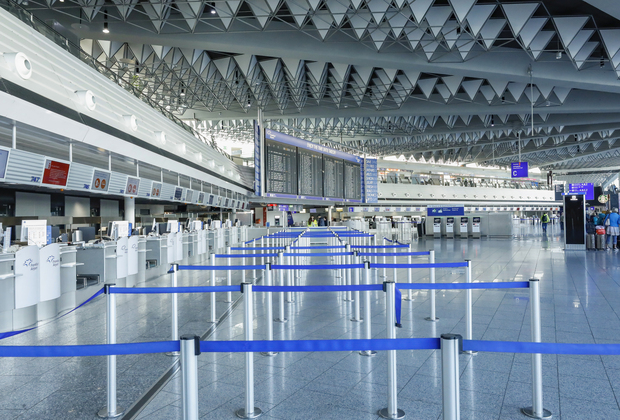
(600, 242)
(591, 241)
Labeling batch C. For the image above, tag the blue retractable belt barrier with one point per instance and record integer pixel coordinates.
(221, 267)
(542, 348)
(379, 246)
(245, 255)
(157, 290)
(320, 247)
(352, 288)
(399, 302)
(391, 254)
(14, 333)
(316, 267)
(90, 350)
(321, 345)
(421, 265)
(316, 254)
(465, 286)
(254, 248)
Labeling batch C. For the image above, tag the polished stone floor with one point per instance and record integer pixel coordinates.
(580, 294)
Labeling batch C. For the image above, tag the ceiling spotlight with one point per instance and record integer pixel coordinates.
(106, 30)
(213, 10)
(558, 55)
(182, 92)
(249, 103)
(602, 63)
(492, 121)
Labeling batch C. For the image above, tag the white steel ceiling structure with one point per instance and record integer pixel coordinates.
(439, 81)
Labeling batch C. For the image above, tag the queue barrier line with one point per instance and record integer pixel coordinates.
(172, 290)
(245, 255)
(316, 254)
(465, 286)
(421, 265)
(392, 254)
(320, 247)
(316, 267)
(379, 246)
(220, 267)
(381, 344)
(91, 349)
(258, 248)
(14, 333)
(338, 288)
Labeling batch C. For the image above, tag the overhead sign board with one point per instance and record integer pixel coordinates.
(55, 173)
(518, 170)
(101, 181)
(132, 185)
(583, 188)
(442, 210)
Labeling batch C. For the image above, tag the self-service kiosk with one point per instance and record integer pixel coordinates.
(475, 227)
(464, 227)
(450, 227)
(437, 227)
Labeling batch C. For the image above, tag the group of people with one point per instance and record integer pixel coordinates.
(610, 221)
(312, 222)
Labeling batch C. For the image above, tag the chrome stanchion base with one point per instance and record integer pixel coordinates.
(243, 415)
(269, 353)
(368, 353)
(529, 411)
(357, 320)
(173, 354)
(290, 301)
(471, 352)
(228, 301)
(281, 320)
(428, 318)
(409, 300)
(103, 413)
(347, 300)
(384, 414)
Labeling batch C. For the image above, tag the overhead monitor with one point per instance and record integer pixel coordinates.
(583, 188)
(4, 159)
(178, 193)
(189, 194)
(133, 184)
(101, 180)
(156, 189)
(55, 173)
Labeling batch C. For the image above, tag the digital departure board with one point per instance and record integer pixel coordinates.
(310, 173)
(333, 173)
(352, 181)
(296, 168)
(281, 168)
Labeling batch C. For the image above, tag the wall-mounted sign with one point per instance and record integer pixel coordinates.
(101, 181)
(55, 173)
(518, 170)
(189, 194)
(4, 158)
(178, 193)
(132, 185)
(156, 189)
(440, 210)
(201, 198)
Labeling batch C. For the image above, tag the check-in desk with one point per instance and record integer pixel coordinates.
(141, 259)
(449, 227)
(7, 285)
(156, 256)
(185, 238)
(68, 276)
(98, 263)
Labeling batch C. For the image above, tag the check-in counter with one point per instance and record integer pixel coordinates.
(50, 287)
(98, 264)
(141, 259)
(68, 276)
(7, 285)
(156, 256)
(185, 238)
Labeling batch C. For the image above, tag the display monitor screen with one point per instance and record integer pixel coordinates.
(437, 220)
(156, 189)
(476, 220)
(201, 197)
(582, 188)
(211, 197)
(132, 185)
(4, 158)
(178, 193)
(189, 195)
(101, 181)
(464, 219)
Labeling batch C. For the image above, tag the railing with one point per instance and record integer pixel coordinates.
(125, 82)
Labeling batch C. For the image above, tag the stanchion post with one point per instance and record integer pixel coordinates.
(537, 410)
(431, 275)
(249, 411)
(356, 296)
(289, 274)
(111, 410)
(367, 313)
(375, 250)
(268, 296)
(384, 272)
(391, 411)
(213, 297)
(190, 350)
(174, 299)
(468, 309)
(347, 273)
(254, 259)
(281, 318)
(228, 277)
(409, 276)
(450, 346)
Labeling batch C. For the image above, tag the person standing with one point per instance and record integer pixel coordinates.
(544, 219)
(613, 228)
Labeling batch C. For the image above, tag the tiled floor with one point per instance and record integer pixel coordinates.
(580, 294)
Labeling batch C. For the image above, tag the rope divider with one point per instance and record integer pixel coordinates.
(257, 248)
(421, 265)
(464, 286)
(233, 256)
(392, 254)
(160, 290)
(220, 267)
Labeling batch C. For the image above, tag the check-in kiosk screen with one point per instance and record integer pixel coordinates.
(476, 220)
(450, 220)
(464, 219)
(437, 220)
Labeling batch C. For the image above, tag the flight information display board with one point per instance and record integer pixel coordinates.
(281, 168)
(310, 173)
(352, 181)
(333, 177)
(298, 168)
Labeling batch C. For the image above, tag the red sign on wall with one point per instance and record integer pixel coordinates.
(55, 173)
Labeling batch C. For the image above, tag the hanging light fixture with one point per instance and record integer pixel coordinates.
(106, 30)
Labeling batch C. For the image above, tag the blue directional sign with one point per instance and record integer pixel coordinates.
(440, 210)
(586, 189)
(518, 170)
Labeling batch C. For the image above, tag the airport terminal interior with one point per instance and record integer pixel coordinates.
(309, 209)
